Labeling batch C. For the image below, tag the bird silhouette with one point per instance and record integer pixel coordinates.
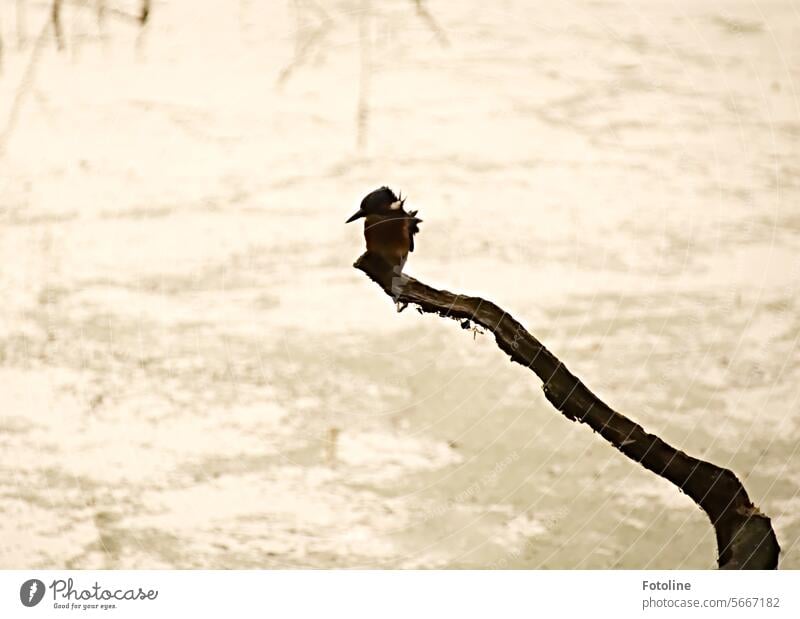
(388, 228)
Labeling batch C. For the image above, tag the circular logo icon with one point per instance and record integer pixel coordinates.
(31, 592)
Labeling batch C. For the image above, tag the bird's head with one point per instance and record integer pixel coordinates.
(379, 202)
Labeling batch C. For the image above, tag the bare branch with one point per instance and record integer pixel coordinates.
(745, 538)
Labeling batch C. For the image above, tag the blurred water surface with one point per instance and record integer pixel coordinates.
(192, 374)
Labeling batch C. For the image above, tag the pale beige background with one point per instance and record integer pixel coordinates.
(192, 374)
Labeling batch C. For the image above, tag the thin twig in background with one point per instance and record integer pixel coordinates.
(365, 75)
(22, 35)
(100, 11)
(307, 38)
(105, 10)
(29, 75)
(243, 10)
(143, 19)
(429, 19)
(25, 85)
(55, 16)
(123, 15)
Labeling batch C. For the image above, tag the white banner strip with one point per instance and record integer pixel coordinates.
(400, 594)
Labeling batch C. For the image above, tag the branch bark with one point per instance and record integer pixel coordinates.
(745, 538)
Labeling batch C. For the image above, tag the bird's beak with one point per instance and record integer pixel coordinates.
(358, 214)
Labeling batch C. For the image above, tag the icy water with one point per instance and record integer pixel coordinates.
(193, 375)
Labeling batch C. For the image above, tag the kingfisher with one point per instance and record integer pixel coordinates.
(388, 229)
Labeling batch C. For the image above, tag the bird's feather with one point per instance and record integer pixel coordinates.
(413, 228)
